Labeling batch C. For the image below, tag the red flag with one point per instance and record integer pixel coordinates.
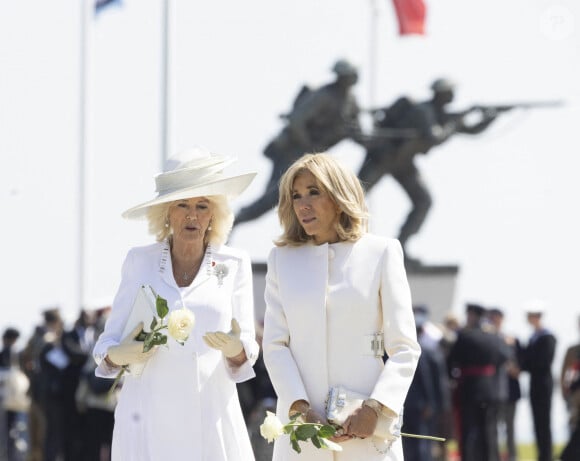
(411, 16)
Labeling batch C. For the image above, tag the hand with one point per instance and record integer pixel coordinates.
(312, 416)
(388, 425)
(307, 414)
(361, 423)
(130, 351)
(228, 343)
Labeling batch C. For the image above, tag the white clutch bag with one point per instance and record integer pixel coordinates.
(342, 402)
(143, 310)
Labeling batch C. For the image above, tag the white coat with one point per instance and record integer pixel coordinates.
(185, 404)
(321, 302)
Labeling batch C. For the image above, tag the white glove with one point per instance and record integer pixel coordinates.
(229, 343)
(130, 351)
(389, 426)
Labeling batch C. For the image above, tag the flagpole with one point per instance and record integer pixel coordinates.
(82, 164)
(164, 81)
(373, 53)
(372, 89)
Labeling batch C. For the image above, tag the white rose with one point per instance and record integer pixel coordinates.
(272, 428)
(180, 323)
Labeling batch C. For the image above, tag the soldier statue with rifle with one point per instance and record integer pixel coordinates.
(320, 118)
(405, 129)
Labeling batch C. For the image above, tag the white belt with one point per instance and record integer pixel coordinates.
(373, 344)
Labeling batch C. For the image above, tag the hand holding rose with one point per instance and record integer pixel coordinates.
(140, 345)
(130, 350)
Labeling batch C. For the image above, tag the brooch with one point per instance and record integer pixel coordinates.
(220, 271)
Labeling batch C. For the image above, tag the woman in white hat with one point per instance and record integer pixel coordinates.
(183, 404)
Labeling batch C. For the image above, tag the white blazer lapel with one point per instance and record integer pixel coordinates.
(303, 275)
(165, 268)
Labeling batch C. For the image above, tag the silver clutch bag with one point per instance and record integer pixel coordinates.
(341, 403)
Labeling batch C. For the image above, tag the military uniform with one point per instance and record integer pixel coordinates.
(570, 380)
(474, 359)
(537, 360)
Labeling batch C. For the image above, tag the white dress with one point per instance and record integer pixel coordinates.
(185, 405)
(322, 303)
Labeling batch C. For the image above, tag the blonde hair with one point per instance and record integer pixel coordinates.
(344, 189)
(221, 222)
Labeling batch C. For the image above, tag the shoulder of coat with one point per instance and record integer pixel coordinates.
(377, 242)
(147, 250)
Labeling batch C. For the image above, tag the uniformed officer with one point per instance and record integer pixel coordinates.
(474, 359)
(538, 357)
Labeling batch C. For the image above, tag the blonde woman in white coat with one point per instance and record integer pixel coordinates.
(331, 289)
(184, 404)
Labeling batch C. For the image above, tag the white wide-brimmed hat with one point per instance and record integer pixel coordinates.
(194, 172)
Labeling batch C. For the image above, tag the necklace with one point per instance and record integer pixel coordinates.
(187, 277)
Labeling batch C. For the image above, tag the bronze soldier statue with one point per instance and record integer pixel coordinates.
(320, 118)
(405, 129)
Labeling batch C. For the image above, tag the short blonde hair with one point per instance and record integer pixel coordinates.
(344, 189)
(221, 222)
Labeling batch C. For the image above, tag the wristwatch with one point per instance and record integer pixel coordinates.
(375, 405)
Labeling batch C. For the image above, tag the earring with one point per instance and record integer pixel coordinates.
(166, 224)
(209, 227)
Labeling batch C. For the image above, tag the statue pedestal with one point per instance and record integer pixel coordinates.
(432, 286)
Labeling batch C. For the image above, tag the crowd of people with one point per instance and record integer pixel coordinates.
(64, 412)
(343, 325)
(466, 388)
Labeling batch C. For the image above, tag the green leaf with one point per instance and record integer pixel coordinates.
(161, 305)
(147, 346)
(163, 340)
(153, 324)
(316, 441)
(326, 431)
(141, 336)
(296, 447)
(306, 431)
